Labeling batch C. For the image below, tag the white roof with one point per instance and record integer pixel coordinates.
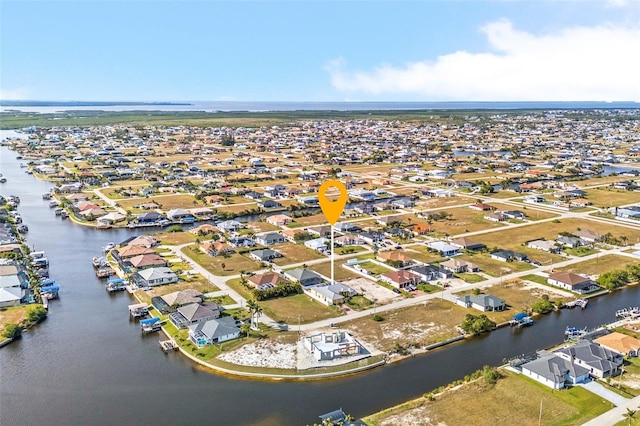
(10, 294)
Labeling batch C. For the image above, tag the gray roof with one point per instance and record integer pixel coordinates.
(554, 368)
(182, 297)
(486, 300)
(265, 254)
(303, 275)
(593, 355)
(215, 328)
(195, 311)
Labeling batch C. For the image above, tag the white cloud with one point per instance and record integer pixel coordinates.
(576, 64)
(18, 94)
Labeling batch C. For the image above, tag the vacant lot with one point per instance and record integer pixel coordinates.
(549, 230)
(428, 323)
(295, 253)
(300, 306)
(493, 267)
(433, 203)
(601, 264)
(420, 252)
(257, 227)
(512, 400)
(609, 197)
(12, 315)
(341, 273)
(372, 291)
(233, 263)
(305, 221)
(175, 238)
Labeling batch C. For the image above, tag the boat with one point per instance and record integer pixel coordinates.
(630, 312)
(574, 333)
(3, 179)
(168, 345)
(53, 203)
(46, 196)
(58, 211)
(97, 262)
(109, 247)
(22, 228)
(150, 325)
(64, 214)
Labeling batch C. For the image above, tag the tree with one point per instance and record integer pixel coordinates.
(36, 313)
(630, 414)
(245, 328)
(477, 324)
(255, 311)
(223, 265)
(12, 331)
(613, 279)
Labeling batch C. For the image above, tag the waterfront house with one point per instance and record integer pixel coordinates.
(266, 255)
(143, 241)
(203, 229)
(181, 215)
(279, 219)
(149, 217)
(193, 313)
(144, 261)
(269, 204)
(170, 302)
(155, 276)
(213, 331)
(327, 346)
(601, 362)
(481, 302)
(229, 225)
(621, 343)
(570, 281)
(555, 372)
(130, 251)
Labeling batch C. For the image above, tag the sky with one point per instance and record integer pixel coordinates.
(316, 50)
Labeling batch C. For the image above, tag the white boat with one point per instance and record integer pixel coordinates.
(109, 247)
(53, 203)
(46, 196)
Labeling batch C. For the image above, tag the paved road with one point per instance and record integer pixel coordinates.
(616, 414)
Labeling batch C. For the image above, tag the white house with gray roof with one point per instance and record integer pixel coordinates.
(554, 371)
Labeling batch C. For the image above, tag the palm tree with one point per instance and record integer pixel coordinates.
(630, 414)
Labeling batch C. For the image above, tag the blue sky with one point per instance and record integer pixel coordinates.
(320, 50)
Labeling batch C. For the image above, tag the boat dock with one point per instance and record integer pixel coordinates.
(521, 320)
(138, 310)
(150, 325)
(581, 303)
(168, 345)
(628, 313)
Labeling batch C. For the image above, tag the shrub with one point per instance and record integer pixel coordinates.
(12, 331)
(377, 318)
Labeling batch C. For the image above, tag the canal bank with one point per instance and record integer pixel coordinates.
(89, 364)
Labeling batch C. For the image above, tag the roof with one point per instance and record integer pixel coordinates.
(465, 242)
(195, 311)
(182, 297)
(554, 368)
(147, 259)
(569, 278)
(619, 342)
(268, 278)
(486, 300)
(215, 328)
(401, 276)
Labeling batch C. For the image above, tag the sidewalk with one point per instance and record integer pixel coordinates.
(614, 415)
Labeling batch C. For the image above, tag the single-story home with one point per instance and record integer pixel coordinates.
(555, 372)
(400, 279)
(266, 280)
(508, 255)
(444, 248)
(155, 276)
(431, 273)
(544, 245)
(570, 281)
(270, 238)
(305, 277)
(214, 331)
(481, 302)
(467, 244)
(193, 313)
(332, 294)
(317, 243)
(279, 219)
(265, 255)
(458, 265)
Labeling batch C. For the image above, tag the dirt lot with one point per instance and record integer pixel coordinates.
(371, 290)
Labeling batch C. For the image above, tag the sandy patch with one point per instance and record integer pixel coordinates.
(632, 382)
(263, 353)
(539, 289)
(414, 417)
(417, 331)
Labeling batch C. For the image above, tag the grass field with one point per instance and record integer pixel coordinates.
(175, 238)
(601, 264)
(233, 264)
(295, 253)
(609, 197)
(12, 315)
(341, 273)
(470, 278)
(289, 309)
(514, 399)
(493, 267)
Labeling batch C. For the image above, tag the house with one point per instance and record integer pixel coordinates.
(418, 229)
(320, 230)
(397, 256)
(481, 207)
(371, 237)
(570, 281)
(331, 294)
(400, 279)
(193, 313)
(213, 331)
(428, 273)
(514, 214)
(495, 217)
(331, 345)
(229, 225)
(508, 256)
(269, 204)
(266, 280)
(216, 248)
(467, 244)
(544, 245)
(458, 265)
(588, 235)
(149, 217)
(170, 302)
(279, 219)
(266, 255)
(346, 227)
(621, 343)
(131, 251)
(181, 215)
(270, 238)
(241, 242)
(601, 362)
(481, 302)
(155, 276)
(144, 261)
(143, 241)
(444, 248)
(305, 277)
(319, 244)
(203, 229)
(565, 241)
(554, 371)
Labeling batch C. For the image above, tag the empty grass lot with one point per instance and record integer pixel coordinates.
(233, 263)
(463, 220)
(493, 267)
(514, 399)
(12, 315)
(609, 197)
(295, 253)
(341, 273)
(176, 238)
(288, 309)
(600, 265)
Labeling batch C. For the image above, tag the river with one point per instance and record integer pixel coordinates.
(88, 364)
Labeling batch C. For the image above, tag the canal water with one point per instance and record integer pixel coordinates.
(88, 364)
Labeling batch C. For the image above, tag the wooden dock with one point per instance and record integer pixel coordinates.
(168, 345)
(581, 303)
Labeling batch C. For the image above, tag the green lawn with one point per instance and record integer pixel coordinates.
(470, 278)
(493, 267)
(580, 251)
(289, 309)
(374, 268)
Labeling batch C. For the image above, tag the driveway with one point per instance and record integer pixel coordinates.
(601, 391)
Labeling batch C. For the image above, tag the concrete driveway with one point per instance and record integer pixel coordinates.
(601, 391)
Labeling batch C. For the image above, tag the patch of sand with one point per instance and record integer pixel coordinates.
(539, 289)
(263, 353)
(417, 416)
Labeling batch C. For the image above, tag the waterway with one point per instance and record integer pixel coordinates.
(88, 364)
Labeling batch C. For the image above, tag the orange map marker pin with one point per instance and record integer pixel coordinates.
(332, 209)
